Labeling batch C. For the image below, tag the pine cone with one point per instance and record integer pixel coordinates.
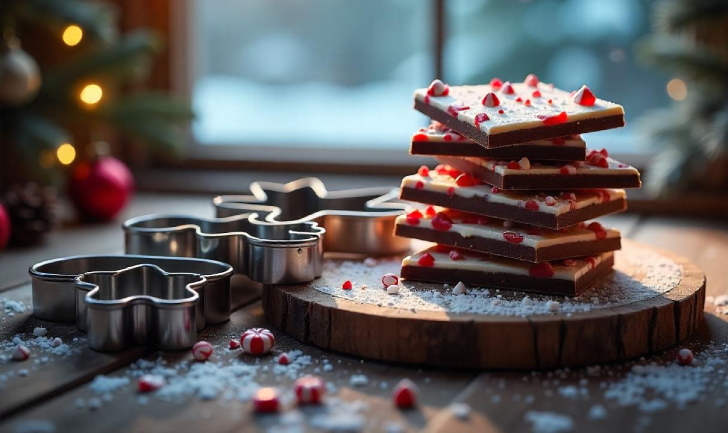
(33, 213)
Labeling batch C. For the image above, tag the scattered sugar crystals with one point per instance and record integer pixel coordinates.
(549, 422)
(660, 275)
(11, 307)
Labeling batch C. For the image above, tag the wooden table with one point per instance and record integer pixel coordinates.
(499, 401)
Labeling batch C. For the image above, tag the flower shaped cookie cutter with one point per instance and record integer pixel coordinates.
(266, 252)
(140, 305)
(358, 221)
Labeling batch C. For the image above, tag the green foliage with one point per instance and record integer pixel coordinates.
(110, 61)
(675, 15)
(97, 19)
(694, 133)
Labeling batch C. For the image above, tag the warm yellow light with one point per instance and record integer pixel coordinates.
(91, 94)
(66, 153)
(677, 89)
(72, 35)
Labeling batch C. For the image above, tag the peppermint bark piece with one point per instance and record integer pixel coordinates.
(503, 114)
(505, 238)
(598, 171)
(552, 209)
(438, 139)
(569, 277)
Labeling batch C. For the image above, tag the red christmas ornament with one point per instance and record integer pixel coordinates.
(101, 189)
(4, 227)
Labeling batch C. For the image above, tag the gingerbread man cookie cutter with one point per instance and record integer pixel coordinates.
(266, 252)
(140, 305)
(56, 297)
(357, 221)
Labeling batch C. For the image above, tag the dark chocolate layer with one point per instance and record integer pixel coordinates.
(545, 181)
(507, 249)
(518, 151)
(482, 206)
(522, 135)
(504, 280)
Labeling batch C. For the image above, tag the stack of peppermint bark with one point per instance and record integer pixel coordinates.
(513, 201)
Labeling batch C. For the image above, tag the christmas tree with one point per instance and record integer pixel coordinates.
(51, 114)
(691, 39)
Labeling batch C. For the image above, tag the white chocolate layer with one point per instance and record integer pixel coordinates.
(494, 228)
(516, 115)
(491, 264)
(615, 168)
(438, 133)
(445, 184)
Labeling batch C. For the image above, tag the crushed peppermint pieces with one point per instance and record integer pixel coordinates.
(390, 279)
(257, 341)
(404, 394)
(202, 351)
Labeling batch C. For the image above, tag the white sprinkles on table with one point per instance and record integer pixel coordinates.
(658, 275)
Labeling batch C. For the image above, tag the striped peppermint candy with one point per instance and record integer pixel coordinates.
(257, 341)
(202, 351)
(309, 389)
(21, 353)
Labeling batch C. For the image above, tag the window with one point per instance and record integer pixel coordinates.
(296, 79)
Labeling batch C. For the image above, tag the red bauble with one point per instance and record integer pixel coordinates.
(101, 188)
(4, 227)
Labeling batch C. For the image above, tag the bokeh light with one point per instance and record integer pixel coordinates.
(72, 35)
(66, 153)
(91, 94)
(677, 89)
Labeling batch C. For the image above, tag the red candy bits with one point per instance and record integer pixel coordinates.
(491, 100)
(536, 94)
(541, 270)
(466, 180)
(149, 383)
(426, 260)
(438, 88)
(512, 237)
(441, 222)
(284, 359)
(347, 285)
(234, 344)
(507, 88)
(309, 389)
(420, 137)
(480, 118)
(496, 83)
(456, 255)
(584, 97)
(532, 205)
(454, 109)
(430, 211)
(259, 341)
(265, 400)
(553, 120)
(685, 357)
(424, 171)
(531, 80)
(405, 393)
(513, 165)
(597, 229)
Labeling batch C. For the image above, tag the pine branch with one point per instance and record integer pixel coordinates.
(672, 16)
(95, 18)
(675, 54)
(128, 58)
(38, 133)
(144, 105)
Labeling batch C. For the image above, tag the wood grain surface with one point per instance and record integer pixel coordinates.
(502, 342)
(498, 400)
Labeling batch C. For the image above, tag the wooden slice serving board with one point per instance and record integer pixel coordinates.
(440, 338)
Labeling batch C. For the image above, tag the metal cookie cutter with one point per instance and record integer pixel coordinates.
(140, 305)
(266, 252)
(359, 221)
(56, 297)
